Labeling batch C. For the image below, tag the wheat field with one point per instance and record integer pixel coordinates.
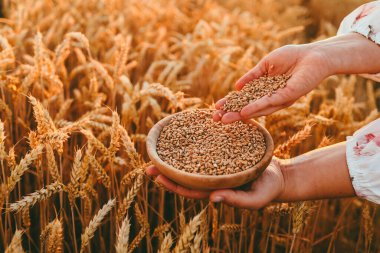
(81, 84)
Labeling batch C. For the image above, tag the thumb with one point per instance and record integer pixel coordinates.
(238, 198)
(254, 73)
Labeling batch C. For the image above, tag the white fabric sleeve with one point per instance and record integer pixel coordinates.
(363, 160)
(365, 20)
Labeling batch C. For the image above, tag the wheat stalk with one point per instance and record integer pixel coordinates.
(142, 220)
(127, 201)
(75, 177)
(187, 236)
(16, 244)
(26, 218)
(52, 165)
(44, 122)
(231, 227)
(161, 229)
(39, 195)
(3, 153)
(284, 149)
(52, 237)
(101, 174)
(20, 169)
(166, 244)
(215, 222)
(95, 223)
(115, 136)
(123, 236)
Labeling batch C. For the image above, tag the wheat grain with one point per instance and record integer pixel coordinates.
(252, 91)
(194, 143)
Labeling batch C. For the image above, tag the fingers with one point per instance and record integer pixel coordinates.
(217, 115)
(264, 112)
(188, 193)
(173, 187)
(267, 104)
(152, 171)
(254, 73)
(230, 117)
(219, 104)
(240, 199)
(226, 117)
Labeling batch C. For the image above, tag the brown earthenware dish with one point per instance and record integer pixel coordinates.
(207, 182)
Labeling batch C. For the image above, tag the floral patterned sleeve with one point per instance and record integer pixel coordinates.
(366, 21)
(363, 148)
(363, 160)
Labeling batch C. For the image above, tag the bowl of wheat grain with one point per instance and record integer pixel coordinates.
(194, 151)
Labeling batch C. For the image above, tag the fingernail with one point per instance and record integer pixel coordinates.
(217, 199)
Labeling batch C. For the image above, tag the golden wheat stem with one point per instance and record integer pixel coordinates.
(123, 236)
(95, 223)
(39, 195)
(20, 169)
(16, 244)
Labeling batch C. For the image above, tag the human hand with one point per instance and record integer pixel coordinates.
(268, 187)
(306, 67)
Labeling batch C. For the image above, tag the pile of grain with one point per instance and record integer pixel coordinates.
(193, 142)
(252, 91)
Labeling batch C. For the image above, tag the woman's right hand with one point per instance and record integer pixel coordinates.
(307, 68)
(308, 65)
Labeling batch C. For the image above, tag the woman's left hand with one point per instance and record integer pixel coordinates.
(267, 187)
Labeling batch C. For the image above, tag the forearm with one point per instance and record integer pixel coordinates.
(349, 54)
(322, 173)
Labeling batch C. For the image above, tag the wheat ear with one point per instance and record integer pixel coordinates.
(16, 244)
(188, 234)
(32, 198)
(123, 236)
(95, 223)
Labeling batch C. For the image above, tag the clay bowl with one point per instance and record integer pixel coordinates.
(207, 182)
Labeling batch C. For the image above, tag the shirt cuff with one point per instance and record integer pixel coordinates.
(363, 159)
(365, 21)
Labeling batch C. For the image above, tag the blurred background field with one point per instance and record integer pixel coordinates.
(81, 84)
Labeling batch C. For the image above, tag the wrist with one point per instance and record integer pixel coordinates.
(288, 185)
(348, 54)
